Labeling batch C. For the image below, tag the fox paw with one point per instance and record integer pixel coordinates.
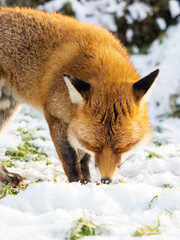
(85, 181)
(15, 180)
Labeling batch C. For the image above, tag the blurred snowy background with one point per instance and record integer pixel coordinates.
(145, 200)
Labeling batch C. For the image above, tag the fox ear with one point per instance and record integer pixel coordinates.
(143, 87)
(77, 89)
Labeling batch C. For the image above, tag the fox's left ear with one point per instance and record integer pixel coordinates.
(143, 87)
(77, 89)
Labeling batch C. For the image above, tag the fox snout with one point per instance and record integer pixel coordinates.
(107, 161)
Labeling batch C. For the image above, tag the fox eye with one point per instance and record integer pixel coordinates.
(119, 150)
(96, 149)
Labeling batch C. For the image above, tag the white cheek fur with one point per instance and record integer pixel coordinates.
(76, 144)
(98, 175)
(144, 141)
(125, 155)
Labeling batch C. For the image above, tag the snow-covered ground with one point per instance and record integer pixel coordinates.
(49, 206)
(147, 190)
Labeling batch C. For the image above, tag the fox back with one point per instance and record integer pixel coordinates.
(82, 79)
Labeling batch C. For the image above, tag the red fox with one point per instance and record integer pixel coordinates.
(81, 78)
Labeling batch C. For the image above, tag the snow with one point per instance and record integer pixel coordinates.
(139, 10)
(103, 12)
(174, 6)
(129, 34)
(48, 208)
(93, 12)
(120, 9)
(165, 56)
(161, 23)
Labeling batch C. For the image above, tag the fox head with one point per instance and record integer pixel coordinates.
(109, 121)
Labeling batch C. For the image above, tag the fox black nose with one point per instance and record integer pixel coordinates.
(106, 180)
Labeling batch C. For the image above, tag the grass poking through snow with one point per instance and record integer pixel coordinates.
(8, 190)
(8, 163)
(83, 227)
(147, 231)
(154, 198)
(152, 155)
(27, 151)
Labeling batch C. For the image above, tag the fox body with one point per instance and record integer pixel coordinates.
(81, 78)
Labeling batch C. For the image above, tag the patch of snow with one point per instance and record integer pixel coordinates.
(139, 10)
(3, 2)
(161, 23)
(174, 7)
(165, 56)
(129, 34)
(129, 19)
(120, 9)
(93, 12)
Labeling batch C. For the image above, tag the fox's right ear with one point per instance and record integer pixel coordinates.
(143, 87)
(77, 89)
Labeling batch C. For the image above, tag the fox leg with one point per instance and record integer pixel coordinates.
(66, 153)
(8, 106)
(84, 161)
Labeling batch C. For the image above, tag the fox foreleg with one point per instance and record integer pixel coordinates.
(67, 154)
(84, 161)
